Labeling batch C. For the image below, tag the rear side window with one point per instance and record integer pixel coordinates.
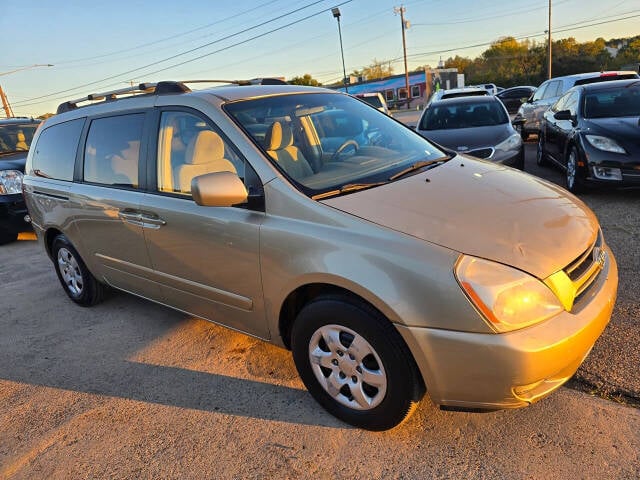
(55, 153)
(112, 151)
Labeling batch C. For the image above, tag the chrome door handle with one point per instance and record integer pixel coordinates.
(152, 221)
(131, 217)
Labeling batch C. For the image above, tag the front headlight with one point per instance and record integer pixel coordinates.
(509, 299)
(10, 181)
(512, 143)
(605, 144)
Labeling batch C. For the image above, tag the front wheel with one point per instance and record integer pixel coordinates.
(6, 237)
(573, 180)
(541, 156)
(355, 363)
(76, 280)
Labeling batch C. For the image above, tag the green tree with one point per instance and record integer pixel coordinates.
(375, 70)
(306, 79)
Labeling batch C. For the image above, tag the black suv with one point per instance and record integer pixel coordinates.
(15, 137)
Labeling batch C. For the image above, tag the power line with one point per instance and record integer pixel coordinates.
(180, 54)
(155, 42)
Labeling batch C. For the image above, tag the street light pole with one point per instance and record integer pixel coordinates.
(3, 97)
(26, 68)
(405, 25)
(336, 15)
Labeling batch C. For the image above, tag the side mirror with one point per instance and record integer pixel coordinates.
(518, 121)
(413, 127)
(218, 189)
(563, 115)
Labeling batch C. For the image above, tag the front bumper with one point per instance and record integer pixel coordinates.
(515, 369)
(12, 214)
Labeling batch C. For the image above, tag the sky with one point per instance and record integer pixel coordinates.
(95, 45)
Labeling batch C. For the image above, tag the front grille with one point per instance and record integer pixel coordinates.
(585, 269)
(481, 153)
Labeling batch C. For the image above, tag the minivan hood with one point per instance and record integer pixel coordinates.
(485, 210)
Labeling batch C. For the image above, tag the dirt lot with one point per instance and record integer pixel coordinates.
(130, 389)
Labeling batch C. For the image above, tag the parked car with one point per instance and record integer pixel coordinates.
(375, 100)
(489, 87)
(15, 137)
(388, 265)
(529, 116)
(592, 133)
(477, 126)
(458, 92)
(514, 97)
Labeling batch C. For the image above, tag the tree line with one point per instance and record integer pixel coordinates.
(509, 62)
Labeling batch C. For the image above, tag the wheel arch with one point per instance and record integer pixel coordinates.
(306, 293)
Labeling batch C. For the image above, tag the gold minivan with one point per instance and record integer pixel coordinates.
(389, 266)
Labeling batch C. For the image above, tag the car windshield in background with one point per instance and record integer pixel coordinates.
(618, 102)
(373, 100)
(327, 141)
(463, 115)
(16, 137)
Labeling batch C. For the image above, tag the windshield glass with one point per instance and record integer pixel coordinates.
(613, 102)
(373, 100)
(463, 115)
(16, 137)
(325, 141)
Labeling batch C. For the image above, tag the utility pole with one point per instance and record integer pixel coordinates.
(549, 67)
(404, 26)
(5, 104)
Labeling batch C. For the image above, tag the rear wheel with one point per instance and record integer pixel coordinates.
(7, 237)
(76, 280)
(355, 363)
(573, 177)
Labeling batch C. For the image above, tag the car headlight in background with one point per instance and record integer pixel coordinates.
(10, 181)
(509, 299)
(514, 142)
(605, 144)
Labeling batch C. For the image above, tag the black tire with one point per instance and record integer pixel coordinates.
(76, 279)
(541, 156)
(6, 237)
(573, 173)
(520, 162)
(523, 134)
(366, 348)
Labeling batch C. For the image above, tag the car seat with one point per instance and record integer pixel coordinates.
(204, 154)
(280, 147)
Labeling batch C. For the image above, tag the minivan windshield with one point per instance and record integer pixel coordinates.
(327, 141)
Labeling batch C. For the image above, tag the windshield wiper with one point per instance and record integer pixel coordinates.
(349, 187)
(418, 166)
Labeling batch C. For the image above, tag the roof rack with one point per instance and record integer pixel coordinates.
(159, 88)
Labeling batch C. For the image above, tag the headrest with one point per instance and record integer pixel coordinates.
(205, 147)
(278, 136)
(20, 136)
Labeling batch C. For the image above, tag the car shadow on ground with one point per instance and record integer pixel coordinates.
(133, 349)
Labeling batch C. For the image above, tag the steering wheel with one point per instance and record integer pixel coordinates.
(343, 147)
